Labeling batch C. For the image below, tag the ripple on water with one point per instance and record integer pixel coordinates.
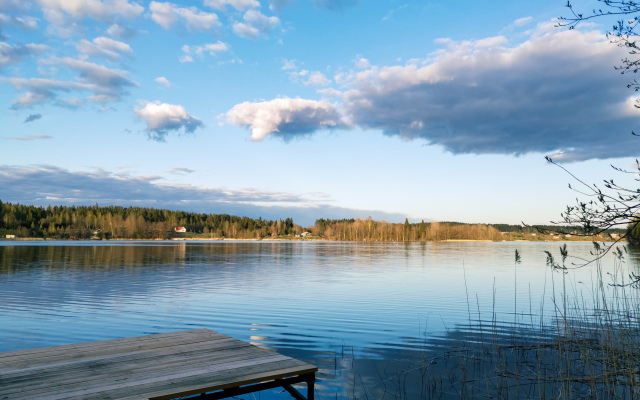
(350, 308)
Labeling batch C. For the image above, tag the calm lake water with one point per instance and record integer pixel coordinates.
(364, 313)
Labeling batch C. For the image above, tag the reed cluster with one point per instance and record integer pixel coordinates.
(586, 347)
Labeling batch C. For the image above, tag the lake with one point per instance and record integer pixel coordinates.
(368, 314)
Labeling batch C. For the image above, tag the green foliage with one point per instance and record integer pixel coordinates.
(326, 222)
(113, 222)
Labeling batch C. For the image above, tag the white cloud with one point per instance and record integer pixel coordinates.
(255, 23)
(42, 90)
(522, 21)
(285, 117)
(163, 81)
(31, 98)
(210, 48)
(162, 118)
(166, 14)
(239, 5)
(14, 5)
(65, 15)
(25, 22)
(105, 84)
(288, 65)
(317, 78)
(103, 46)
(362, 63)
(309, 78)
(483, 97)
(102, 79)
(13, 54)
(39, 184)
(556, 92)
(330, 92)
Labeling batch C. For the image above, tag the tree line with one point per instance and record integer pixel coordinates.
(113, 222)
(369, 230)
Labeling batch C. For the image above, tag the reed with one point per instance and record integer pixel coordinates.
(586, 347)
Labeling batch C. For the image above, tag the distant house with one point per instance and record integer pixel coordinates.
(615, 235)
(180, 229)
(305, 234)
(11, 236)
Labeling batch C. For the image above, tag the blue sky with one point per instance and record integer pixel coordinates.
(309, 108)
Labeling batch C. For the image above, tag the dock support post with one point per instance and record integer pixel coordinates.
(311, 387)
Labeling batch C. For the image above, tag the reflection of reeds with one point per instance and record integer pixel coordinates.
(588, 348)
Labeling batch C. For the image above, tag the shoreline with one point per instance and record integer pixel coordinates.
(2, 240)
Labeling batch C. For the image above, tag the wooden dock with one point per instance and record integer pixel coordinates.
(164, 366)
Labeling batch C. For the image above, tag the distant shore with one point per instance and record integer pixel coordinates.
(294, 239)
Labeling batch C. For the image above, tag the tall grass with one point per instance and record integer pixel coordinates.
(586, 347)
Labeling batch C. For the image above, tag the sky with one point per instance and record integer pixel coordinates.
(435, 111)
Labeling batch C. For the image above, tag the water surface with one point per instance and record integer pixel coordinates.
(362, 312)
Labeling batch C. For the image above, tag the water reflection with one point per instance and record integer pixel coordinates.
(365, 313)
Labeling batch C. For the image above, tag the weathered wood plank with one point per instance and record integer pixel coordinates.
(206, 382)
(129, 355)
(117, 366)
(105, 347)
(136, 379)
(163, 366)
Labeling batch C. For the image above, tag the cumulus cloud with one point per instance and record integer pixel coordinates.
(45, 185)
(484, 97)
(32, 117)
(210, 48)
(362, 63)
(255, 24)
(239, 5)
(104, 46)
(167, 14)
(106, 85)
(555, 93)
(65, 15)
(285, 117)
(317, 78)
(162, 118)
(31, 137)
(13, 54)
(163, 81)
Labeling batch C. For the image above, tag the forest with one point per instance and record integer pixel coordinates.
(114, 222)
(369, 230)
